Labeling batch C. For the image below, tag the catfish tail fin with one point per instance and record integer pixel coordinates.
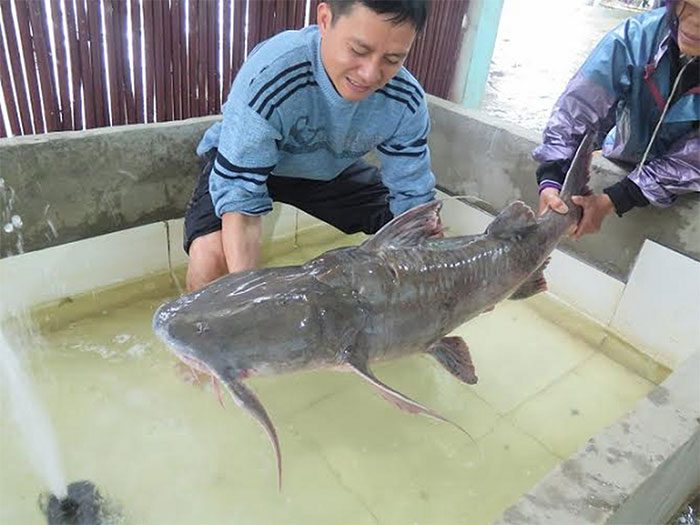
(578, 174)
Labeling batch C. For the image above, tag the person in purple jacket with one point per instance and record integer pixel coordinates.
(639, 91)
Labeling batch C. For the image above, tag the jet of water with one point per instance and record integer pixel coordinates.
(31, 419)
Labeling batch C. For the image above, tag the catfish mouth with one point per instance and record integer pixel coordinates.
(196, 365)
(174, 335)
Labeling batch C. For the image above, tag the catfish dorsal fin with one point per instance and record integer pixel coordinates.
(515, 218)
(408, 229)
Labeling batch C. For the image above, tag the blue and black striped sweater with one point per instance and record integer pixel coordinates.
(284, 117)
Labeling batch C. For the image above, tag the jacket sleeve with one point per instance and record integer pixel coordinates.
(662, 179)
(588, 102)
(405, 162)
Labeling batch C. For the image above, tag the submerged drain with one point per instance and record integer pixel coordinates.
(84, 505)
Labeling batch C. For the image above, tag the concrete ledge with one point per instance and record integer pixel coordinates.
(638, 470)
(660, 496)
(73, 185)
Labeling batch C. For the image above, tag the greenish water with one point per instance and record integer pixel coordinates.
(168, 453)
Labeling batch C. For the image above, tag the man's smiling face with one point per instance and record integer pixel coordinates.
(362, 50)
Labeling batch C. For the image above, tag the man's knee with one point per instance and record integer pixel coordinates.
(207, 261)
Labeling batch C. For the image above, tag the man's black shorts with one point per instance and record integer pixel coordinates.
(354, 201)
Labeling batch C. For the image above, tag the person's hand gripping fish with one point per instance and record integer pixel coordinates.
(595, 208)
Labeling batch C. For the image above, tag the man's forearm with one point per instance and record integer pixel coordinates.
(241, 236)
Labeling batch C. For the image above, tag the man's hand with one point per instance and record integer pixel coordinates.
(595, 208)
(549, 199)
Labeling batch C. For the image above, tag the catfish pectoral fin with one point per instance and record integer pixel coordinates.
(535, 284)
(398, 399)
(453, 354)
(245, 398)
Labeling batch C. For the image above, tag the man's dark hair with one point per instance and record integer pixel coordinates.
(413, 11)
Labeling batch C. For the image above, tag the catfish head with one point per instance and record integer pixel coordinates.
(260, 322)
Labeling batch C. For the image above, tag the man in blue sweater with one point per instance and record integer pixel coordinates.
(302, 112)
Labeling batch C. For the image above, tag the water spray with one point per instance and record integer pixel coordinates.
(79, 503)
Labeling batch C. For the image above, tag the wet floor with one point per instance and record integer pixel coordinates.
(540, 45)
(168, 453)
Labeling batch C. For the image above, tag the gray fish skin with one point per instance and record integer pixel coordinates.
(390, 303)
(400, 292)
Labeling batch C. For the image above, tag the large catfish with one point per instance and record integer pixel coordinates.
(398, 293)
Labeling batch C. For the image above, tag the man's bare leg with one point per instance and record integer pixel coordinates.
(207, 261)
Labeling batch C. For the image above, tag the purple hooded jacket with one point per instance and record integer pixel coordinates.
(620, 92)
